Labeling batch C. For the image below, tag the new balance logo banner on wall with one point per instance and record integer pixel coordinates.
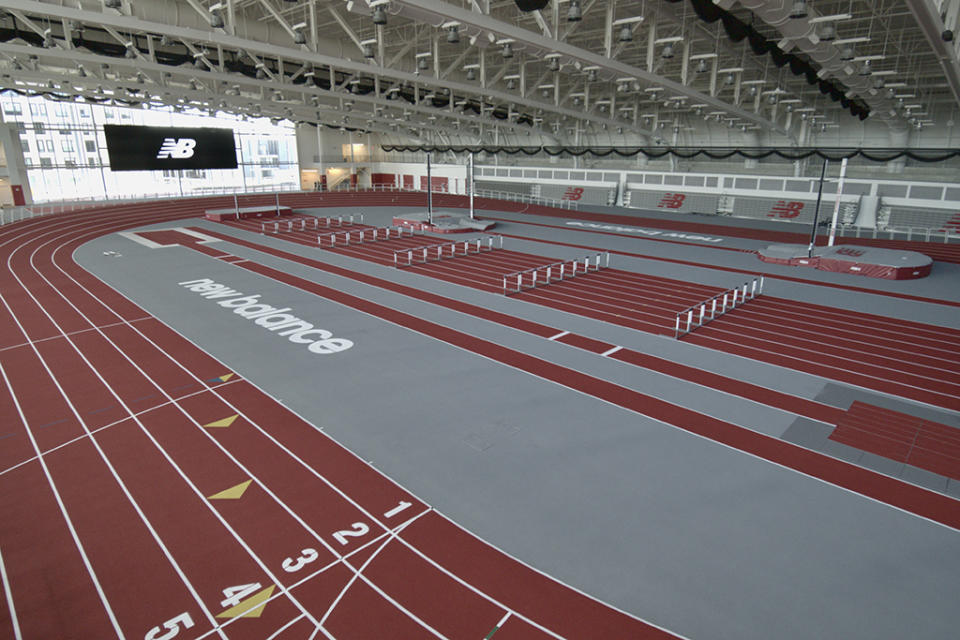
(136, 148)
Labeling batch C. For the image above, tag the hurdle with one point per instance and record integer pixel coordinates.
(342, 221)
(359, 236)
(300, 224)
(703, 312)
(445, 250)
(554, 272)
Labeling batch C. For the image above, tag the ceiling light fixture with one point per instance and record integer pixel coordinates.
(799, 10)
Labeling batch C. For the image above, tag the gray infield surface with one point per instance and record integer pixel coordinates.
(681, 531)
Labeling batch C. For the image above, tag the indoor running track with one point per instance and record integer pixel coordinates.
(149, 492)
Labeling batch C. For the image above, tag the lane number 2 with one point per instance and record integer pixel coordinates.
(173, 627)
(356, 530)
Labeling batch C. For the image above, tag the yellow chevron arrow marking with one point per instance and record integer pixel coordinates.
(252, 607)
(226, 377)
(233, 493)
(226, 422)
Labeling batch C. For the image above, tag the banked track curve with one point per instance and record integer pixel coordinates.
(101, 466)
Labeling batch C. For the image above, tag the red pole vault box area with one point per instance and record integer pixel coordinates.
(873, 262)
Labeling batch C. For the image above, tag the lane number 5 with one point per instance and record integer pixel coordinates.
(173, 626)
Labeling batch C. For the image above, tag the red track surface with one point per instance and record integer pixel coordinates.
(901, 437)
(908, 359)
(113, 524)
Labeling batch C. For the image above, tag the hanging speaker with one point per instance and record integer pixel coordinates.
(531, 5)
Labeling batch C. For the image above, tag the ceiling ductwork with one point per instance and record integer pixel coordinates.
(802, 34)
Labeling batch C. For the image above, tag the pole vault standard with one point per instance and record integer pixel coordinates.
(816, 212)
(836, 205)
(470, 182)
(429, 193)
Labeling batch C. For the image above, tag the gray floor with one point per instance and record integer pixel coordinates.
(678, 530)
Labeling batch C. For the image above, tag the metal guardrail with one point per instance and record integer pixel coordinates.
(923, 234)
(553, 272)
(359, 236)
(436, 252)
(527, 199)
(728, 300)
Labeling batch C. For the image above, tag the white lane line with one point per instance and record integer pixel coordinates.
(196, 234)
(559, 335)
(610, 352)
(9, 594)
(150, 244)
(324, 568)
(338, 490)
(115, 423)
(285, 627)
(227, 527)
(63, 508)
(133, 503)
(260, 483)
(374, 519)
(358, 573)
(72, 333)
(503, 619)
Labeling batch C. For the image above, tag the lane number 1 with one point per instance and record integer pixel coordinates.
(397, 509)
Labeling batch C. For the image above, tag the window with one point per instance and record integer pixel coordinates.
(108, 114)
(21, 128)
(269, 147)
(91, 146)
(25, 145)
(38, 109)
(46, 162)
(12, 109)
(65, 132)
(67, 145)
(84, 112)
(28, 162)
(169, 173)
(38, 128)
(92, 162)
(61, 111)
(70, 163)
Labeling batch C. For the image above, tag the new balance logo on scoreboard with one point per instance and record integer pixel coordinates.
(140, 148)
(176, 148)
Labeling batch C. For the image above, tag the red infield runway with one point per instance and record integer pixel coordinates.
(137, 471)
